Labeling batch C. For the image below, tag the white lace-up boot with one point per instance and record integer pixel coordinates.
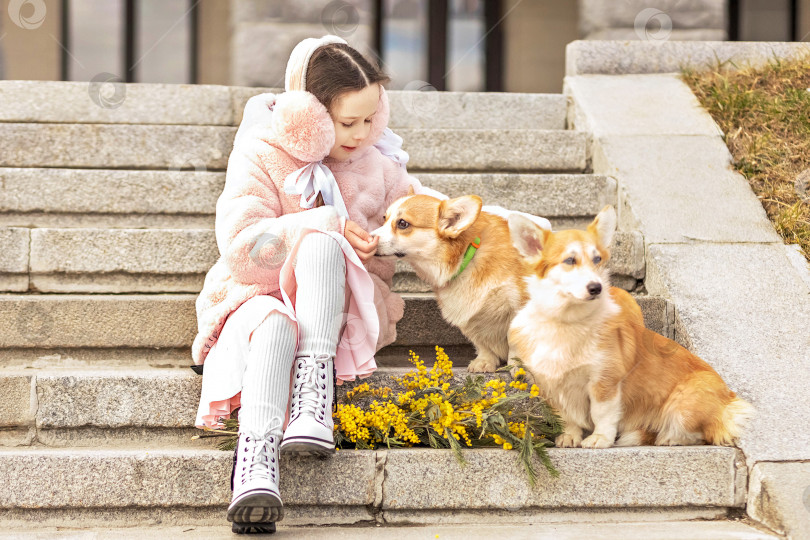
(310, 429)
(256, 503)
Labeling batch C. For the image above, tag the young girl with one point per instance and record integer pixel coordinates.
(296, 292)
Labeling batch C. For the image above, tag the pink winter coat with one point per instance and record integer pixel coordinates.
(278, 135)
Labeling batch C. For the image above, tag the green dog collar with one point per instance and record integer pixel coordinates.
(468, 255)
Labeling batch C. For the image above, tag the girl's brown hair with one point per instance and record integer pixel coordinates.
(337, 68)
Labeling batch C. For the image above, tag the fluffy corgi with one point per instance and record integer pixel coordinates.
(481, 296)
(589, 352)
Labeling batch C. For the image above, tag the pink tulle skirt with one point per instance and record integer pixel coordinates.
(226, 361)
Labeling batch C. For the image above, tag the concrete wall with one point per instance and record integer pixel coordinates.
(264, 33)
(214, 36)
(30, 42)
(2, 36)
(247, 42)
(653, 20)
(535, 35)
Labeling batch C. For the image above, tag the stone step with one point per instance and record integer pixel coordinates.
(112, 407)
(171, 260)
(133, 486)
(44, 197)
(182, 104)
(471, 110)
(168, 321)
(592, 528)
(118, 146)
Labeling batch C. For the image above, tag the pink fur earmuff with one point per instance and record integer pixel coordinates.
(302, 126)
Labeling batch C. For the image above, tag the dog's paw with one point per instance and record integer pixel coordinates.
(568, 440)
(483, 365)
(597, 440)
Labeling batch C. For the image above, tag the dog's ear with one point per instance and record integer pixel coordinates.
(455, 215)
(410, 190)
(527, 237)
(604, 225)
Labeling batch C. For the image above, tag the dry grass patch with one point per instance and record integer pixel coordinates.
(765, 115)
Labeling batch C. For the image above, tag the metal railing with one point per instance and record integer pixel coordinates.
(129, 48)
(437, 48)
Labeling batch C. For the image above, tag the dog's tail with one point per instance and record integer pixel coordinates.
(734, 418)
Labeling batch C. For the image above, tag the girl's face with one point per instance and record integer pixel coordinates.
(352, 112)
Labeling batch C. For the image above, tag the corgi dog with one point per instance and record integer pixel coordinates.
(588, 351)
(481, 296)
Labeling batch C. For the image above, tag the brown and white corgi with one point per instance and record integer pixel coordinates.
(585, 344)
(434, 236)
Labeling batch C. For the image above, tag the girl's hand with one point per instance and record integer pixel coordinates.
(362, 242)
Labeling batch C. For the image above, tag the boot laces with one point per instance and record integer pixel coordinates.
(259, 456)
(309, 386)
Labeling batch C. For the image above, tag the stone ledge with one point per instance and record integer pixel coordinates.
(711, 251)
(116, 396)
(14, 255)
(169, 321)
(17, 406)
(682, 191)
(745, 310)
(411, 479)
(176, 261)
(158, 320)
(149, 398)
(800, 263)
(162, 478)
(14, 282)
(206, 148)
(626, 57)
(129, 251)
(75, 191)
(779, 497)
(607, 105)
(548, 195)
(190, 195)
(454, 110)
(648, 515)
(184, 104)
(676, 34)
(686, 476)
(116, 146)
(56, 320)
(471, 110)
(497, 150)
(167, 525)
(134, 103)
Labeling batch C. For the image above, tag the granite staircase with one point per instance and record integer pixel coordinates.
(107, 215)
